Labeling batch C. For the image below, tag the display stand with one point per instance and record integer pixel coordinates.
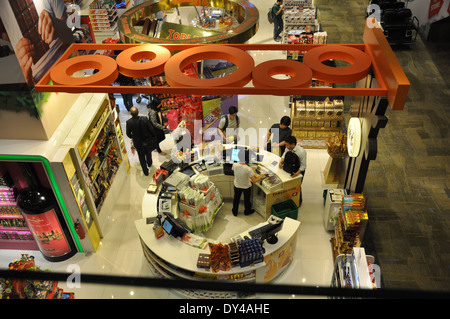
(90, 128)
(350, 225)
(315, 119)
(100, 157)
(169, 257)
(14, 232)
(356, 270)
(300, 16)
(334, 170)
(103, 18)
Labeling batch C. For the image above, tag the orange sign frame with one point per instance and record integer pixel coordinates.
(375, 54)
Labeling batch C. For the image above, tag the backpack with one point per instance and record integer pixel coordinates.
(291, 162)
(226, 122)
(270, 15)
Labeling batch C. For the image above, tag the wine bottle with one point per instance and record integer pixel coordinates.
(44, 218)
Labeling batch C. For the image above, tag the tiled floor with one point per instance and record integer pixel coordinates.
(407, 184)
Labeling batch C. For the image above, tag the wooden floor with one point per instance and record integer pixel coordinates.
(408, 184)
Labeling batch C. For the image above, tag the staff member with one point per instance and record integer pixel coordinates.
(280, 132)
(243, 178)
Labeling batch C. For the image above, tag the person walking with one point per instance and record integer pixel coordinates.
(158, 121)
(127, 97)
(278, 11)
(243, 178)
(140, 131)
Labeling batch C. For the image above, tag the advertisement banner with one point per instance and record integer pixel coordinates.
(211, 117)
(37, 33)
(435, 7)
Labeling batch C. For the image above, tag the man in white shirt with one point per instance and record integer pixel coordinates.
(243, 178)
(291, 145)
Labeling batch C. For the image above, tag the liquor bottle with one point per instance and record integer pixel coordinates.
(43, 216)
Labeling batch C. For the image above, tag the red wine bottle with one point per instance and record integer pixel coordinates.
(44, 218)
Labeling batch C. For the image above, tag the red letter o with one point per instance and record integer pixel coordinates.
(244, 62)
(359, 60)
(61, 74)
(301, 75)
(126, 60)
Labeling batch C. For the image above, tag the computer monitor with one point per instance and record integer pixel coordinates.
(174, 226)
(232, 154)
(167, 226)
(235, 155)
(269, 231)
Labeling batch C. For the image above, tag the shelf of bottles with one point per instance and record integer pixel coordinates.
(13, 227)
(102, 160)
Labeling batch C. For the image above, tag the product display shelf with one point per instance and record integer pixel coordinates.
(14, 232)
(350, 225)
(314, 119)
(299, 17)
(103, 18)
(164, 269)
(356, 271)
(99, 158)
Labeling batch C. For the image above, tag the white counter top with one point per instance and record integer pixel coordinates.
(184, 256)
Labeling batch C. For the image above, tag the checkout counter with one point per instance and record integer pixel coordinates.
(179, 255)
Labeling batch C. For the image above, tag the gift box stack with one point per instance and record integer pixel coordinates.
(30, 289)
(199, 203)
(351, 224)
(223, 257)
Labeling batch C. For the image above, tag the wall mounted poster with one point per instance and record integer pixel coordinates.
(37, 33)
(211, 117)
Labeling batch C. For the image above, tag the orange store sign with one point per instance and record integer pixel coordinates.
(375, 57)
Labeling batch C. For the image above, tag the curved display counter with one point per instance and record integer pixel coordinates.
(141, 24)
(177, 258)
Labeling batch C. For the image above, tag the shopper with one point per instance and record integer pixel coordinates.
(279, 132)
(292, 148)
(127, 97)
(243, 178)
(277, 10)
(140, 131)
(158, 121)
(229, 121)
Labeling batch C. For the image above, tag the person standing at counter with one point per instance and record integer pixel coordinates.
(229, 121)
(280, 132)
(140, 131)
(295, 149)
(243, 178)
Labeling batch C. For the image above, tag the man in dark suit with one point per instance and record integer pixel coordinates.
(141, 132)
